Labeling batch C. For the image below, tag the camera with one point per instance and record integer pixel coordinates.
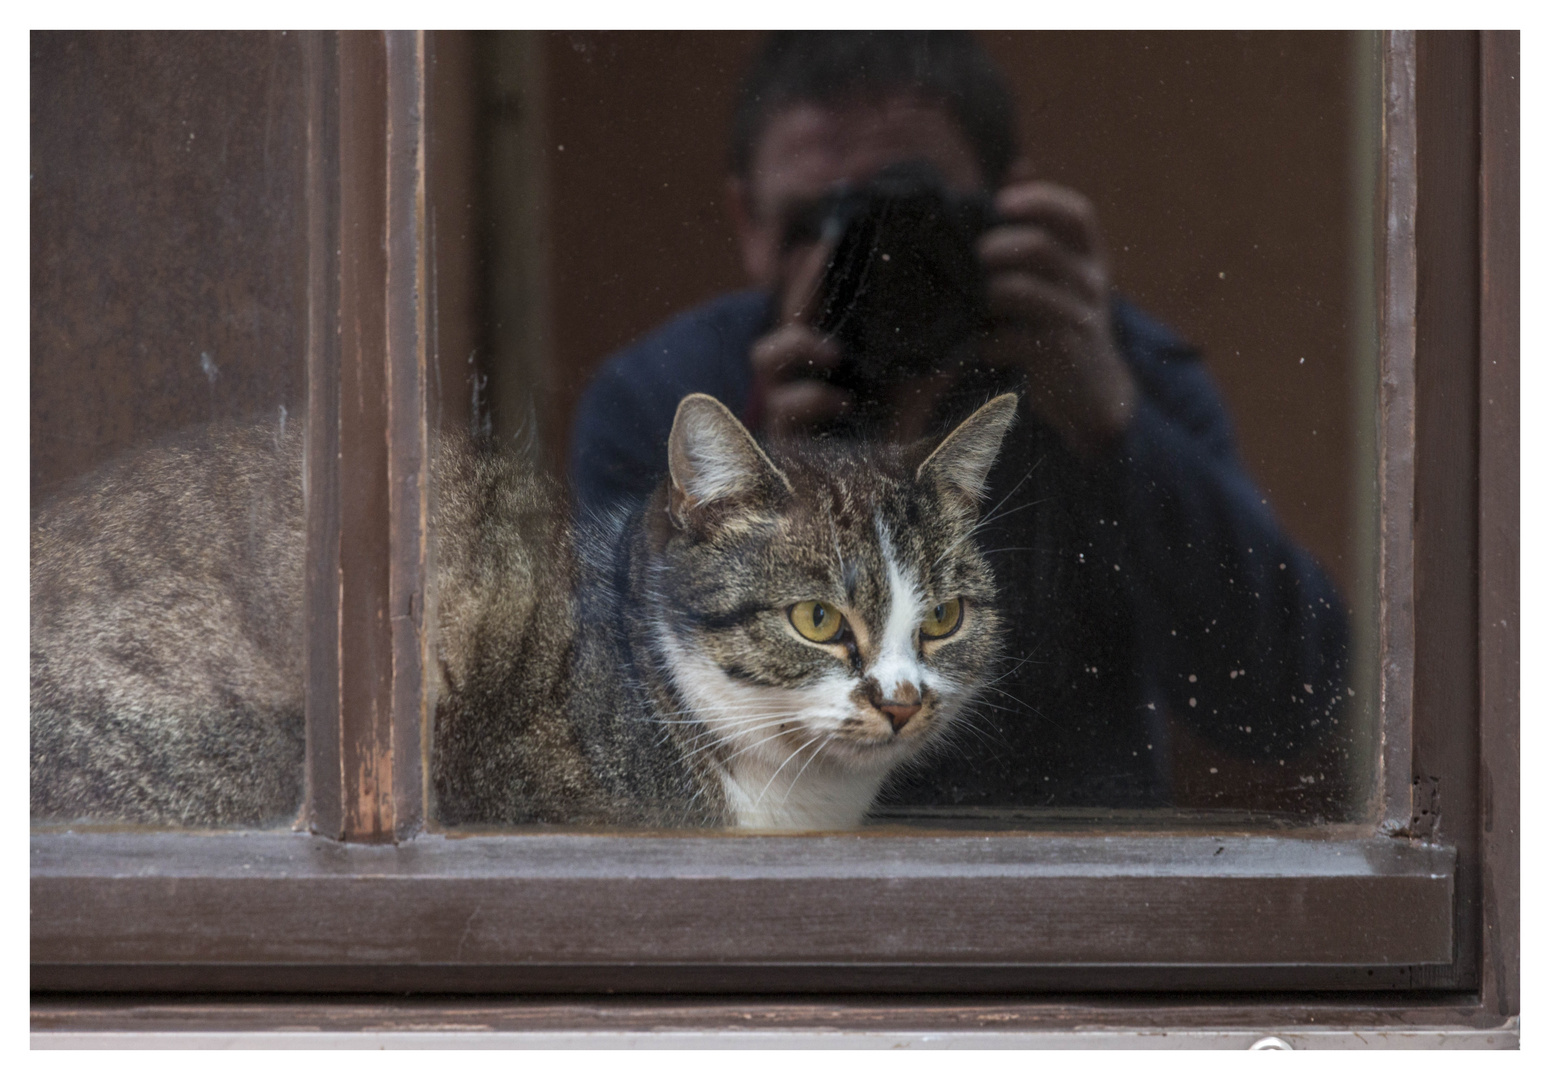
(903, 292)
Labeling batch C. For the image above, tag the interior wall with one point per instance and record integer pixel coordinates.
(168, 238)
(635, 159)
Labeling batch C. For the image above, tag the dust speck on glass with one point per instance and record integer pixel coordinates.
(861, 429)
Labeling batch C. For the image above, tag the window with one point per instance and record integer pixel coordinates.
(390, 265)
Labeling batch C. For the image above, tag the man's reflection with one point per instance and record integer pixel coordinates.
(1142, 572)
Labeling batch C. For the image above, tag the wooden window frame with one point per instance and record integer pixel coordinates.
(1412, 920)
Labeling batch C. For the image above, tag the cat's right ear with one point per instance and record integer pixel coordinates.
(715, 463)
(961, 463)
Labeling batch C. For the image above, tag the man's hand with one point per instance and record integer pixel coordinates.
(790, 395)
(1048, 286)
(1048, 289)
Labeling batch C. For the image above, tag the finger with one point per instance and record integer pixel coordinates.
(794, 350)
(804, 274)
(1021, 171)
(797, 407)
(1064, 212)
(1045, 357)
(1028, 299)
(1033, 250)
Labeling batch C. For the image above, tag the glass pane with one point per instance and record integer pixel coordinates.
(862, 587)
(168, 389)
(1161, 242)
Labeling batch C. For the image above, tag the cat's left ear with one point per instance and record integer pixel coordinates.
(715, 463)
(961, 462)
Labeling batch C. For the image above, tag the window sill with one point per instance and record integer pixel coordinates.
(547, 912)
(301, 1032)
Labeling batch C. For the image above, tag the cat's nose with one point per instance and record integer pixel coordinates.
(899, 712)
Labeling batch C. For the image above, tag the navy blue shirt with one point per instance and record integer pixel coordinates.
(1153, 581)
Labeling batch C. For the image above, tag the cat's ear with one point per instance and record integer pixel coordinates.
(714, 462)
(961, 462)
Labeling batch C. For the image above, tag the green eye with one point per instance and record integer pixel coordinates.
(816, 621)
(942, 620)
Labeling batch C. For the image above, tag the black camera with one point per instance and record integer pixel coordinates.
(903, 292)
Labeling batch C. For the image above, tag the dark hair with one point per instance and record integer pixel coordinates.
(828, 67)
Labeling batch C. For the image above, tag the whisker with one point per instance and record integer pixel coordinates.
(1015, 486)
(983, 523)
(746, 723)
(1011, 697)
(983, 704)
(783, 764)
(1019, 508)
(1007, 674)
(810, 759)
(713, 739)
(761, 742)
(717, 717)
(988, 734)
(1037, 713)
(723, 710)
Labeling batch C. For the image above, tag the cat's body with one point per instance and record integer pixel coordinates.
(166, 635)
(535, 682)
(749, 649)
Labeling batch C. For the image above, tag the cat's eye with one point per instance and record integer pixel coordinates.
(816, 621)
(942, 620)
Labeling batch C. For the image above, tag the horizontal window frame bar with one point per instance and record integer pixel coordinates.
(1505, 1037)
(1306, 1022)
(578, 912)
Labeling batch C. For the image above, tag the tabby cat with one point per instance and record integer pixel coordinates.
(759, 646)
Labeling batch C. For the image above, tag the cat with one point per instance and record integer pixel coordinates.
(166, 635)
(759, 646)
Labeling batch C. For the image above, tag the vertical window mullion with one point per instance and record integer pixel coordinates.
(1445, 733)
(1500, 346)
(324, 808)
(1396, 441)
(366, 453)
(407, 310)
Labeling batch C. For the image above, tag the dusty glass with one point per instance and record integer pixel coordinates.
(1166, 253)
(168, 382)
(1188, 601)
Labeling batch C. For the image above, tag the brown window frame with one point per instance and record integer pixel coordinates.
(1412, 921)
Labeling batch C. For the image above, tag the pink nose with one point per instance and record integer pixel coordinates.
(899, 712)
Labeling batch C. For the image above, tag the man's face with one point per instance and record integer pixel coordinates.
(807, 149)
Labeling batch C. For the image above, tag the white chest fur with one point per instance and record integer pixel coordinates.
(780, 792)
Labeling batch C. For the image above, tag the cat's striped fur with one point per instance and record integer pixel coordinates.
(646, 670)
